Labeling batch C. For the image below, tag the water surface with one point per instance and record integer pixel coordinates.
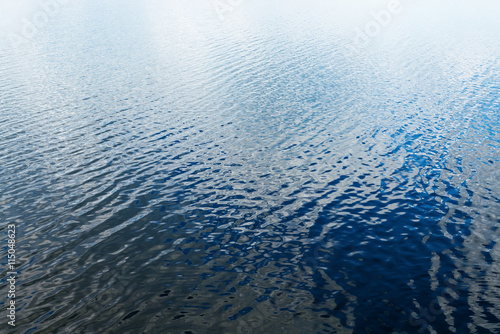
(173, 170)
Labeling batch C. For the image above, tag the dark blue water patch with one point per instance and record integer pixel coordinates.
(241, 313)
(130, 315)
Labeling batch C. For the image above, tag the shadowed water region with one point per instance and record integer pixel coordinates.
(176, 167)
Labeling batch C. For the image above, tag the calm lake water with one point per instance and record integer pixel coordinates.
(251, 166)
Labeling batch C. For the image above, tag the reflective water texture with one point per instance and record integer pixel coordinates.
(174, 167)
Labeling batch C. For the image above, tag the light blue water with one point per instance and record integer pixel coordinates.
(173, 167)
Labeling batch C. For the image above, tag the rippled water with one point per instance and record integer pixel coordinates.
(175, 167)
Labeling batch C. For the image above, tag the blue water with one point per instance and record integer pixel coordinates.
(175, 167)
